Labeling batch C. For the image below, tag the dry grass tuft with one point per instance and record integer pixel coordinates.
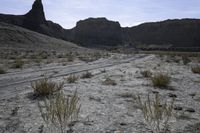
(127, 95)
(18, 63)
(72, 79)
(70, 57)
(109, 81)
(196, 69)
(146, 73)
(61, 111)
(186, 60)
(2, 71)
(46, 87)
(156, 113)
(160, 80)
(86, 75)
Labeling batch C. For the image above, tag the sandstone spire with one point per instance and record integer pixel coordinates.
(35, 16)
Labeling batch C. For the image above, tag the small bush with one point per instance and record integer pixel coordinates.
(126, 95)
(46, 87)
(2, 71)
(156, 113)
(61, 111)
(70, 57)
(146, 73)
(109, 81)
(72, 79)
(87, 75)
(160, 80)
(196, 69)
(186, 60)
(86, 58)
(18, 63)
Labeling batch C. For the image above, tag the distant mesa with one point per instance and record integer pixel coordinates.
(98, 31)
(94, 32)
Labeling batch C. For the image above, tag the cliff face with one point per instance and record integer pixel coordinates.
(94, 32)
(178, 33)
(97, 31)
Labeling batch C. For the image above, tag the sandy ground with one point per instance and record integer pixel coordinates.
(104, 108)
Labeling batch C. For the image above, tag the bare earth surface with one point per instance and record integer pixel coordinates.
(104, 108)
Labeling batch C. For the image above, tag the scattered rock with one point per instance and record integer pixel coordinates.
(178, 108)
(41, 128)
(95, 98)
(123, 124)
(191, 110)
(14, 111)
(155, 92)
(172, 95)
(192, 94)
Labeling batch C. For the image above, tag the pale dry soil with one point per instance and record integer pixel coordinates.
(104, 108)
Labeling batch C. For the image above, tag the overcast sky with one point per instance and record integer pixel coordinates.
(127, 12)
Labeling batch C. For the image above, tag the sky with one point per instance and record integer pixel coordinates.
(127, 12)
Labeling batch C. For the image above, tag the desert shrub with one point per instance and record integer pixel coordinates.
(41, 56)
(156, 113)
(127, 95)
(160, 80)
(186, 60)
(109, 81)
(2, 71)
(72, 79)
(70, 57)
(86, 58)
(103, 71)
(90, 57)
(46, 87)
(60, 55)
(86, 75)
(38, 60)
(146, 73)
(97, 55)
(196, 69)
(18, 63)
(60, 111)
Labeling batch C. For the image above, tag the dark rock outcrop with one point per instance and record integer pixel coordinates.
(178, 33)
(35, 17)
(97, 32)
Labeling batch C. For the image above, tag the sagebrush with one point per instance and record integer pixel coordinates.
(196, 69)
(46, 87)
(160, 80)
(157, 114)
(146, 73)
(60, 111)
(86, 75)
(109, 81)
(18, 63)
(2, 71)
(72, 79)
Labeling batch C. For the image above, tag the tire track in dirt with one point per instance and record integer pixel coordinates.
(8, 88)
